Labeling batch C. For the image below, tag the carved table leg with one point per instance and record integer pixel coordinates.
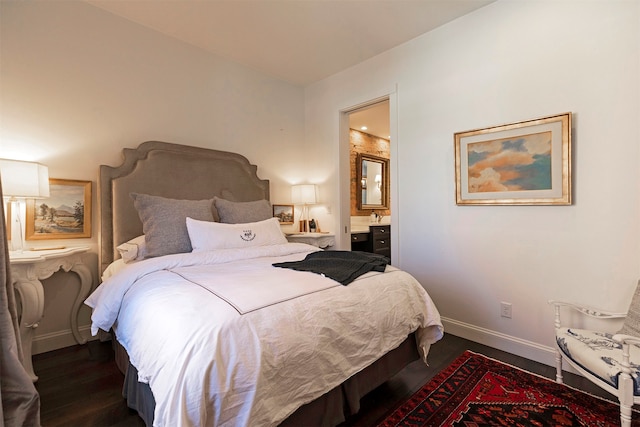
(85, 286)
(28, 269)
(31, 296)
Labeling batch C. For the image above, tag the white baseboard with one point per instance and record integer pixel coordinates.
(514, 345)
(58, 339)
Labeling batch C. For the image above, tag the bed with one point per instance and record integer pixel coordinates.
(208, 330)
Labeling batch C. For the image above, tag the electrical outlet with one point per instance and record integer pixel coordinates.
(505, 309)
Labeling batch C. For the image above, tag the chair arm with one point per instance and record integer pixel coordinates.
(586, 310)
(625, 365)
(626, 339)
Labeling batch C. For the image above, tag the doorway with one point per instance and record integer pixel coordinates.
(367, 130)
(369, 135)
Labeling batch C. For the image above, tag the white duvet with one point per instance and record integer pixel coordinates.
(223, 338)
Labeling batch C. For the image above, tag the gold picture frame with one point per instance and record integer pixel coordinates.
(65, 214)
(284, 213)
(523, 163)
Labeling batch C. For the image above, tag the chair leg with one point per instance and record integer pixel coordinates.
(625, 415)
(559, 378)
(625, 388)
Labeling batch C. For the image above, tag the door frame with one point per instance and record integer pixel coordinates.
(344, 226)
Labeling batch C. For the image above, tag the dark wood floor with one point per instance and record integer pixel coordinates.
(81, 385)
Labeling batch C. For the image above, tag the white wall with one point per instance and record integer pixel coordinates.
(507, 62)
(79, 84)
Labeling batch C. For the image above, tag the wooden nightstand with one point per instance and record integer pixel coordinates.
(28, 268)
(321, 240)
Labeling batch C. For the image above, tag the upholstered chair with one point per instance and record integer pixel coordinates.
(611, 360)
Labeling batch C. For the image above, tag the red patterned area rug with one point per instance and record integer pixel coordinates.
(478, 391)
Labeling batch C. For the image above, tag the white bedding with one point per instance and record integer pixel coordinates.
(209, 365)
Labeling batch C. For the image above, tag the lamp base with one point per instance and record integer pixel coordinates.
(14, 212)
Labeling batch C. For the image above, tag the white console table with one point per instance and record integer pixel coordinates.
(28, 268)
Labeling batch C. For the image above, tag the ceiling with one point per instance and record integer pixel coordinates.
(375, 118)
(298, 41)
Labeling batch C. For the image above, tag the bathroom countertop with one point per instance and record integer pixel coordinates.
(360, 229)
(361, 224)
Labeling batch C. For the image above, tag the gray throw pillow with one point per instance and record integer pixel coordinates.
(164, 222)
(631, 325)
(242, 212)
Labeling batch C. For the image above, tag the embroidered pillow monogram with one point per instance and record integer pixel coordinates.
(247, 236)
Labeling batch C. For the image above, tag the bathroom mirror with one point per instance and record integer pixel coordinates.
(372, 182)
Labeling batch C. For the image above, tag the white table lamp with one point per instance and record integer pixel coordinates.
(21, 181)
(305, 195)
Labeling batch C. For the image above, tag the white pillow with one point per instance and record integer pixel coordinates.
(133, 250)
(207, 235)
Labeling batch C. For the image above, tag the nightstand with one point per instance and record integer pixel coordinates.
(321, 240)
(28, 268)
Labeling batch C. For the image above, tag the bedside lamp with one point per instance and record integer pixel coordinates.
(305, 195)
(21, 181)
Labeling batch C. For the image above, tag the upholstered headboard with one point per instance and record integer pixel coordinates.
(173, 171)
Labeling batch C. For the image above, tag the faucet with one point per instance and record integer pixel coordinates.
(376, 217)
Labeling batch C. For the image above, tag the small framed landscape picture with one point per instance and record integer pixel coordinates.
(524, 163)
(284, 213)
(65, 214)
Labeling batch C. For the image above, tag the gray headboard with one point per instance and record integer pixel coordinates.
(173, 171)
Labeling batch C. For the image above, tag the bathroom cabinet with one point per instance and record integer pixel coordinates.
(377, 240)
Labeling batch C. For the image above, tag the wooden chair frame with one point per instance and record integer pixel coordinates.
(624, 392)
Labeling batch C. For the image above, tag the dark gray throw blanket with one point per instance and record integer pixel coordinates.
(341, 266)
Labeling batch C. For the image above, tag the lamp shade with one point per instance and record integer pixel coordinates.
(24, 179)
(303, 194)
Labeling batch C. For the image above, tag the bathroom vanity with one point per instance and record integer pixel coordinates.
(376, 240)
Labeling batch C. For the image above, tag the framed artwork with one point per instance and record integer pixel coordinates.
(284, 213)
(65, 214)
(524, 163)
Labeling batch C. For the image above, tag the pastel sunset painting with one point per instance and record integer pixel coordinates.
(521, 163)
